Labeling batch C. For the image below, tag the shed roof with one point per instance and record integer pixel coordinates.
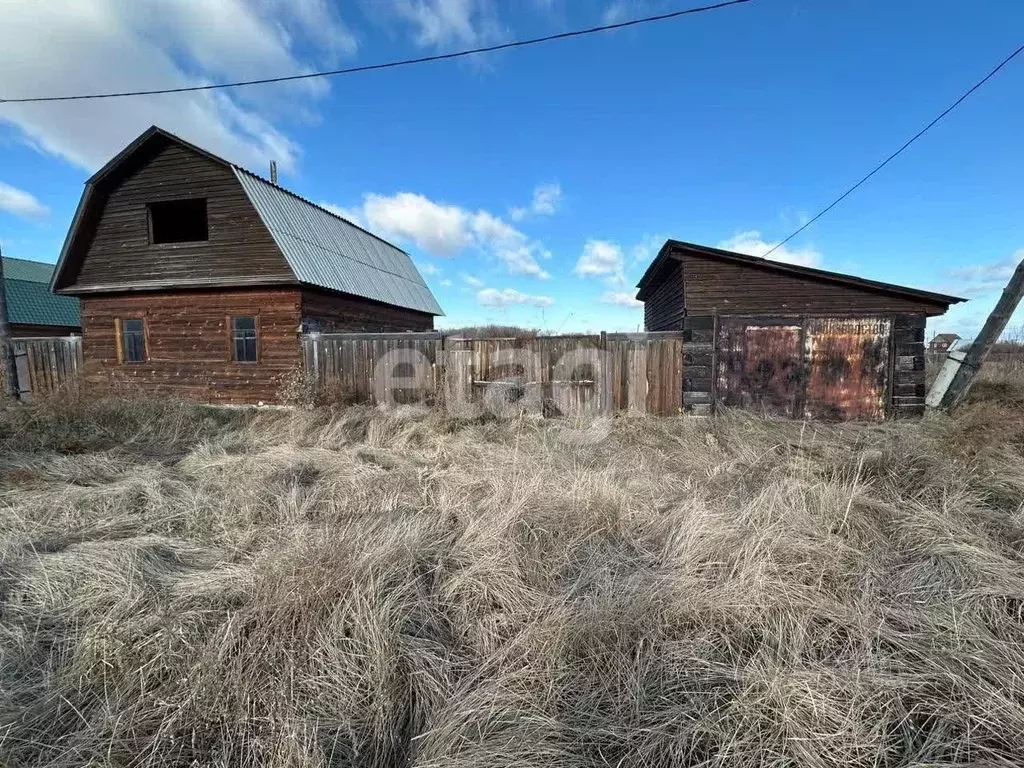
(675, 249)
(946, 337)
(29, 300)
(322, 249)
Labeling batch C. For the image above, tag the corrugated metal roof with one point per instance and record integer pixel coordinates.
(329, 252)
(29, 302)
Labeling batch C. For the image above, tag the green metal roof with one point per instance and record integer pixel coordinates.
(23, 269)
(29, 301)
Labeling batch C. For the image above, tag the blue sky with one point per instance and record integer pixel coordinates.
(533, 186)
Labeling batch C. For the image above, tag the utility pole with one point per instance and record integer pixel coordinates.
(957, 374)
(10, 366)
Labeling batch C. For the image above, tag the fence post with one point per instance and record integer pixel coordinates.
(605, 403)
(9, 366)
(314, 346)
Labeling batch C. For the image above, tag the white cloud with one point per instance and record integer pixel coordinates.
(446, 283)
(602, 258)
(446, 230)
(645, 251)
(441, 23)
(429, 269)
(752, 244)
(474, 282)
(101, 45)
(621, 298)
(21, 203)
(546, 200)
(980, 279)
(616, 12)
(491, 297)
(438, 229)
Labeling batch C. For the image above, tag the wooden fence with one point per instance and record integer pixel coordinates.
(556, 375)
(46, 364)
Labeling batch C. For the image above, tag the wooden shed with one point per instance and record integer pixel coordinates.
(789, 340)
(197, 277)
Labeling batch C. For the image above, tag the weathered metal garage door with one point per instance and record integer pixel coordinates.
(848, 362)
(823, 368)
(760, 366)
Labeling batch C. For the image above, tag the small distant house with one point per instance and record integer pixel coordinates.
(32, 309)
(942, 342)
(197, 277)
(789, 340)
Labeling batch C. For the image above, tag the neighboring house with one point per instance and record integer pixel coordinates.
(197, 277)
(942, 342)
(789, 340)
(31, 308)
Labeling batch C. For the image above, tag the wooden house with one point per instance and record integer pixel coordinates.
(789, 340)
(941, 343)
(32, 309)
(197, 277)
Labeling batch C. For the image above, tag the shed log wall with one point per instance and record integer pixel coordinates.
(908, 381)
(715, 287)
(189, 345)
(665, 308)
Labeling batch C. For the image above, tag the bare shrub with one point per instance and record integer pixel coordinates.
(366, 587)
(491, 332)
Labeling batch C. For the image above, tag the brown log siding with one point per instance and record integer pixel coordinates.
(716, 287)
(189, 345)
(664, 308)
(239, 245)
(908, 379)
(332, 313)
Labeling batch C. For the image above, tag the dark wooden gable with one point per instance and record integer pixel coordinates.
(109, 247)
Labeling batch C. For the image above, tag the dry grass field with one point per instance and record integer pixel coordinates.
(182, 586)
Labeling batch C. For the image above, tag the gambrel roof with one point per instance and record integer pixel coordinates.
(321, 248)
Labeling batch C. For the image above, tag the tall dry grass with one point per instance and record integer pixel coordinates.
(188, 587)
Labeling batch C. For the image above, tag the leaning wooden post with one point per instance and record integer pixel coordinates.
(957, 375)
(9, 365)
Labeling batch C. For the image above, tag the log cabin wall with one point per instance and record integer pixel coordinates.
(189, 343)
(334, 313)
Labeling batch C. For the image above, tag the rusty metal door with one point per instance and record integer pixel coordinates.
(760, 366)
(848, 363)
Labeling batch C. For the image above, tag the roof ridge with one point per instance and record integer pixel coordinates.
(156, 129)
(29, 261)
(825, 274)
(318, 207)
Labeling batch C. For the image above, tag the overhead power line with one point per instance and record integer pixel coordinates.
(387, 64)
(899, 151)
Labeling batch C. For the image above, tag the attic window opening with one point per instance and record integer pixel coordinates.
(178, 221)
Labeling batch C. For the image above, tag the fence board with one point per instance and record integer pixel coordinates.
(579, 374)
(46, 364)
